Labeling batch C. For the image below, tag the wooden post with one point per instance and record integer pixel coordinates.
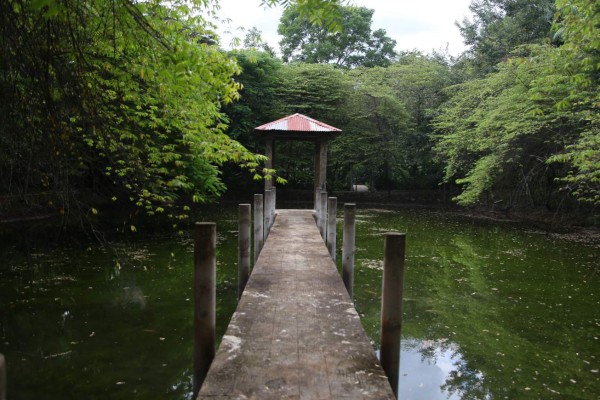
(349, 249)
(391, 305)
(267, 214)
(258, 225)
(323, 214)
(2, 377)
(243, 247)
(205, 264)
(331, 225)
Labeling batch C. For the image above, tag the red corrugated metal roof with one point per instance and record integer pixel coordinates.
(297, 123)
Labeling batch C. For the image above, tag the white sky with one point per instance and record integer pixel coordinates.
(425, 25)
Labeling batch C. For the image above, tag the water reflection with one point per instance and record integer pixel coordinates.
(435, 370)
(485, 307)
(488, 313)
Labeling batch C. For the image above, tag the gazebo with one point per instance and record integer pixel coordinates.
(300, 127)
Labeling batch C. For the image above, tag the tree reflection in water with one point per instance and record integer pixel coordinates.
(436, 370)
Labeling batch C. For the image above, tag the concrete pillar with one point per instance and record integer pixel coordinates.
(349, 248)
(391, 305)
(317, 169)
(267, 214)
(2, 377)
(258, 225)
(273, 204)
(244, 225)
(323, 214)
(269, 149)
(205, 276)
(323, 165)
(331, 225)
(320, 168)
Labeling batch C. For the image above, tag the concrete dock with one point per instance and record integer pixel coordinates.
(295, 333)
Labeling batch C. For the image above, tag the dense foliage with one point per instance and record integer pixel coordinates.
(113, 100)
(512, 122)
(531, 127)
(354, 45)
(116, 104)
(499, 26)
(133, 105)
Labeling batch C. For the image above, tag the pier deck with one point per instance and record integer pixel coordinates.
(295, 333)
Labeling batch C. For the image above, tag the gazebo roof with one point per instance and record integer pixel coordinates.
(298, 126)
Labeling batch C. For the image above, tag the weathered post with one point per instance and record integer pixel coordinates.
(2, 377)
(273, 204)
(267, 216)
(323, 214)
(243, 247)
(349, 249)
(205, 242)
(391, 305)
(258, 225)
(318, 210)
(331, 228)
(271, 195)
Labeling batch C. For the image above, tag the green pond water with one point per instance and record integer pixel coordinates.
(490, 311)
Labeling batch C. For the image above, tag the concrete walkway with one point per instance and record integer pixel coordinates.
(295, 333)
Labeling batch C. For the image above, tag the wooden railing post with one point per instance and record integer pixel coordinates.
(391, 305)
(2, 377)
(348, 248)
(323, 214)
(205, 240)
(331, 225)
(258, 225)
(243, 247)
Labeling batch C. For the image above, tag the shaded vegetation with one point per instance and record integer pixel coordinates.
(134, 107)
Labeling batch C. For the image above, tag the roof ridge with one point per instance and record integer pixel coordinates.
(299, 122)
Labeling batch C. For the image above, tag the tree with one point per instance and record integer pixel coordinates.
(533, 125)
(373, 147)
(120, 99)
(498, 26)
(259, 80)
(353, 46)
(116, 102)
(318, 91)
(570, 84)
(417, 81)
(254, 41)
(497, 137)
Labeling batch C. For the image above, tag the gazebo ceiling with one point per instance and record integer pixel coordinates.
(298, 127)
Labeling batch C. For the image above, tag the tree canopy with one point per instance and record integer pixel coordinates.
(117, 103)
(133, 105)
(354, 45)
(498, 26)
(511, 128)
